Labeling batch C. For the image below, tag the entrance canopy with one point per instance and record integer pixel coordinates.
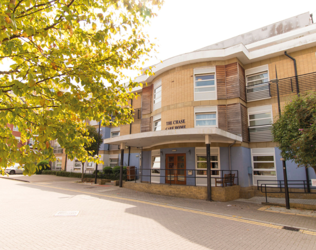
(154, 138)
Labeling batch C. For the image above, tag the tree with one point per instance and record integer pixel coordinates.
(295, 131)
(93, 146)
(63, 64)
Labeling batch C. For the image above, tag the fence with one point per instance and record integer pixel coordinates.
(278, 186)
(192, 177)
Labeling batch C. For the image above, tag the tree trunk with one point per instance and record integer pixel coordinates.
(82, 171)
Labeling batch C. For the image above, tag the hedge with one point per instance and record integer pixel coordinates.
(78, 175)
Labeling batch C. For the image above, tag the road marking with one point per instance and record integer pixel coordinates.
(263, 224)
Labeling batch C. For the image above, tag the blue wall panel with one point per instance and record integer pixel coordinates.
(240, 157)
(293, 172)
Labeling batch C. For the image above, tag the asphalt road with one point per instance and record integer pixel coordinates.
(117, 218)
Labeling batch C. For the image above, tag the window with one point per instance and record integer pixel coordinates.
(204, 83)
(205, 119)
(263, 164)
(257, 82)
(260, 121)
(201, 165)
(56, 164)
(78, 164)
(16, 128)
(113, 162)
(90, 165)
(31, 142)
(115, 134)
(157, 125)
(155, 165)
(157, 95)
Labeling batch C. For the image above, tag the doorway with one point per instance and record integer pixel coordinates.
(176, 169)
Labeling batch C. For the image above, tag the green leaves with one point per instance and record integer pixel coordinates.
(295, 131)
(62, 54)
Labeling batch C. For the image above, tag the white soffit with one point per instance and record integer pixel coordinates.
(304, 38)
(154, 138)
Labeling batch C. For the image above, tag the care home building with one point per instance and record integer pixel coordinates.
(224, 95)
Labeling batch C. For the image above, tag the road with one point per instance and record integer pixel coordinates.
(117, 218)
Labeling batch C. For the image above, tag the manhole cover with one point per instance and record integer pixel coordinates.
(67, 213)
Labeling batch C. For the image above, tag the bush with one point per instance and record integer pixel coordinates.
(41, 166)
(107, 170)
(116, 170)
(97, 171)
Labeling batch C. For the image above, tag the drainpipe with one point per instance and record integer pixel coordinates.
(229, 156)
(298, 94)
(295, 68)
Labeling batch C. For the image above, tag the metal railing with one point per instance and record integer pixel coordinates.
(287, 86)
(192, 177)
(278, 186)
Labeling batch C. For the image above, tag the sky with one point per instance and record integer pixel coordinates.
(187, 25)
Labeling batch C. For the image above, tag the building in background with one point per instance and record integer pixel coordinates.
(225, 95)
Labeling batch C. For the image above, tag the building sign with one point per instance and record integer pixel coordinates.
(314, 182)
(175, 124)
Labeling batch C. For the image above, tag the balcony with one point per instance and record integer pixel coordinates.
(257, 92)
(260, 133)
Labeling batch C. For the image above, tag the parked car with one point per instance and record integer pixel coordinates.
(15, 169)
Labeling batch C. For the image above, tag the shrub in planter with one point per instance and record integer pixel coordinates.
(107, 170)
(116, 170)
(43, 165)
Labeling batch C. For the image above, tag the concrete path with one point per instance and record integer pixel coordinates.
(117, 218)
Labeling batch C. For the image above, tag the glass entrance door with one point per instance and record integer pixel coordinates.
(175, 169)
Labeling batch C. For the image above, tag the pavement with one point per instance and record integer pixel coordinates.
(110, 217)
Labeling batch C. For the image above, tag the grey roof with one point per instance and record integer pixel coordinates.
(271, 30)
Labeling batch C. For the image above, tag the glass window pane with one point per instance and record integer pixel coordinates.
(261, 122)
(205, 89)
(267, 173)
(180, 158)
(201, 172)
(205, 122)
(260, 116)
(205, 83)
(263, 165)
(214, 165)
(259, 88)
(258, 76)
(204, 77)
(157, 95)
(263, 158)
(201, 165)
(157, 100)
(214, 158)
(205, 116)
(201, 158)
(171, 159)
(260, 129)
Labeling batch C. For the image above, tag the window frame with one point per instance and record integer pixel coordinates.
(152, 168)
(115, 132)
(205, 74)
(113, 164)
(154, 97)
(263, 169)
(206, 113)
(154, 123)
(205, 169)
(258, 119)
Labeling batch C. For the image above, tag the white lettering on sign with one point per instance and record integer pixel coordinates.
(314, 182)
